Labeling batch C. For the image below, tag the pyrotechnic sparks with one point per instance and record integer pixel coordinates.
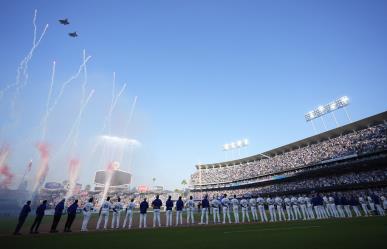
(45, 118)
(43, 166)
(74, 166)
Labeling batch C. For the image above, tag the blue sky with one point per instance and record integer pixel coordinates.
(205, 73)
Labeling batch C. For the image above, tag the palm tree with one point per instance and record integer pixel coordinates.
(184, 182)
(153, 179)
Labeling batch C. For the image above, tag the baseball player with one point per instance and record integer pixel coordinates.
(156, 204)
(190, 205)
(215, 204)
(205, 207)
(143, 209)
(129, 213)
(278, 201)
(226, 209)
(270, 203)
(302, 203)
(309, 207)
(168, 211)
(245, 210)
(253, 208)
(289, 210)
(363, 204)
(261, 209)
(104, 213)
(87, 209)
(235, 208)
(117, 208)
(296, 209)
(179, 211)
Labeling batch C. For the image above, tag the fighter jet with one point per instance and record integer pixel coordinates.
(64, 21)
(73, 34)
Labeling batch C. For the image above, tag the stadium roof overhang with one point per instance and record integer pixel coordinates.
(342, 130)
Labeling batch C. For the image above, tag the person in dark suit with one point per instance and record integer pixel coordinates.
(22, 217)
(39, 216)
(71, 212)
(57, 215)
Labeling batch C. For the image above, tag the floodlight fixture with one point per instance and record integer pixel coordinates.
(325, 109)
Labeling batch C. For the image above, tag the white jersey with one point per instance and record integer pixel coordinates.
(307, 200)
(301, 200)
(225, 202)
(190, 204)
(370, 201)
(278, 201)
(118, 206)
(252, 202)
(361, 200)
(105, 207)
(131, 206)
(294, 201)
(288, 202)
(235, 203)
(215, 203)
(270, 201)
(88, 207)
(260, 201)
(244, 203)
(331, 200)
(325, 199)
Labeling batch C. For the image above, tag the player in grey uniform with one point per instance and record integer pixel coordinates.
(87, 209)
(332, 206)
(304, 212)
(215, 204)
(117, 208)
(235, 209)
(296, 209)
(190, 205)
(245, 210)
(104, 213)
(129, 213)
(309, 207)
(261, 209)
(363, 204)
(289, 209)
(226, 209)
(270, 203)
(253, 208)
(278, 202)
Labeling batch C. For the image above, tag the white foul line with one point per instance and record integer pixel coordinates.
(272, 229)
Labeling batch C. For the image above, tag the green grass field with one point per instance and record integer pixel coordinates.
(335, 233)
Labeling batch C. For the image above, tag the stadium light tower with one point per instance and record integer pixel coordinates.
(239, 144)
(331, 107)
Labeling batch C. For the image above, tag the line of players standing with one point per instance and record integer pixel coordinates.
(301, 207)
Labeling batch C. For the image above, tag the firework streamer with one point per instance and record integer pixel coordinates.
(6, 176)
(22, 70)
(4, 152)
(74, 166)
(45, 118)
(61, 92)
(43, 166)
(115, 98)
(108, 177)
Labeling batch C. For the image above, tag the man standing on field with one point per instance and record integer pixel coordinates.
(156, 204)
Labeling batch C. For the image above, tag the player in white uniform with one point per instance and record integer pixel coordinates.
(296, 209)
(235, 209)
(363, 204)
(215, 204)
(371, 204)
(87, 209)
(129, 213)
(226, 209)
(270, 203)
(327, 208)
(117, 208)
(384, 202)
(309, 207)
(104, 213)
(280, 210)
(289, 210)
(253, 208)
(245, 210)
(304, 212)
(190, 205)
(332, 206)
(261, 209)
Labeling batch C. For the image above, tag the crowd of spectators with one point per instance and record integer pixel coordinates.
(367, 140)
(305, 185)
